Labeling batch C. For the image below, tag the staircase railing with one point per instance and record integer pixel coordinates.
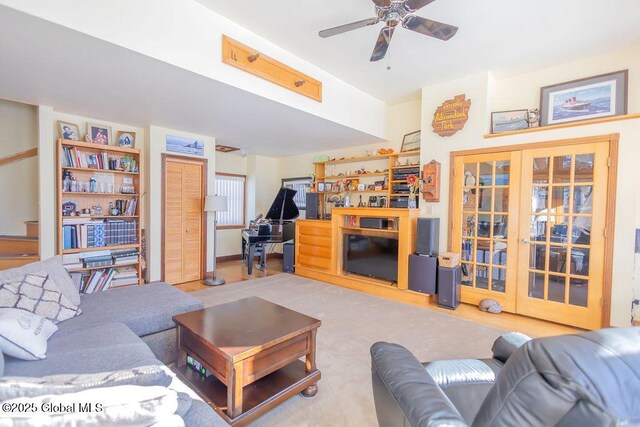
(32, 152)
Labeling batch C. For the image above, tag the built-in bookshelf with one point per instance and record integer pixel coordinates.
(99, 211)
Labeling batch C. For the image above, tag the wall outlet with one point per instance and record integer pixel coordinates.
(428, 210)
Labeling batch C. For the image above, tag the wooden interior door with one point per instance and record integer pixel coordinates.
(562, 233)
(485, 218)
(183, 218)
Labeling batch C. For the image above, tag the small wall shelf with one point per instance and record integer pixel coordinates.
(565, 125)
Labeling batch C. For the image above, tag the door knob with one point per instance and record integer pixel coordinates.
(525, 240)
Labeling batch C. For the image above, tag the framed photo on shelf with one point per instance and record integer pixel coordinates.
(371, 187)
(100, 134)
(321, 186)
(590, 98)
(328, 187)
(411, 141)
(126, 139)
(504, 121)
(68, 131)
(379, 185)
(361, 187)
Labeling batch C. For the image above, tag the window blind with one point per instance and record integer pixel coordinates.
(301, 185)
(233, 188)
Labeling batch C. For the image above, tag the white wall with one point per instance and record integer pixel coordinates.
(189, 35)
(155, 146)
(523, 92)
(401, 119)
(229, 241)
(19, 180)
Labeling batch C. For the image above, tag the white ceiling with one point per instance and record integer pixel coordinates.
(46, 64)
(504, 36)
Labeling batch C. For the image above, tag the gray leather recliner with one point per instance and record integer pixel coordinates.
(589, 379)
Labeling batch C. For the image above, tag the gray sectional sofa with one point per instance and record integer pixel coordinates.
(118, 329)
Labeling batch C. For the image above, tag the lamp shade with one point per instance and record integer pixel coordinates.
(215, 203)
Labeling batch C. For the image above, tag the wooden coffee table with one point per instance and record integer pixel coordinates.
(252, 347)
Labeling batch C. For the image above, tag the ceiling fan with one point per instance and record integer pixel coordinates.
(394, 12)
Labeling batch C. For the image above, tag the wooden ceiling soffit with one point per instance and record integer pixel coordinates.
(254, 62)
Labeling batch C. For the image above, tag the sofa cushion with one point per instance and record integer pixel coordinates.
(144, 309)
(23, 334)
(37, 293)
(102, 348)
(53, 267)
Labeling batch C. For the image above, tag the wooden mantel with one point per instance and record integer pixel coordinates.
(254, 62)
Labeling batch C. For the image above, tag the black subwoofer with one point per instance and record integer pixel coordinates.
(449, 283)
(422, 274)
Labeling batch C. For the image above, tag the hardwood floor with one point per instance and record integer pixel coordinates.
(235, 271)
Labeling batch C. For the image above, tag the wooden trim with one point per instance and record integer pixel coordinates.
(244, 205)
(99, 147)
(26, 154)
(239, 56)
(566, 125)
(610, 221)
(205, 166)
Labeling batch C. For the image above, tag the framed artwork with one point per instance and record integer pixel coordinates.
(411, 141)
(371, 187)
(99, 134)
(126, 139)
(321, 186)
(361, 187)
(68, 131)
(379, 185)
(328, 187)
(177, 144)
(504, 121)
(590, 98)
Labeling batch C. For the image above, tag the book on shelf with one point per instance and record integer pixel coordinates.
(71, 157)
(108, 278)
(104, 258)
(81, 233)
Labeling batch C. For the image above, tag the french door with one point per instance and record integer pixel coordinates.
(530, 225)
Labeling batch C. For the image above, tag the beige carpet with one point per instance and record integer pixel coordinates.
(351, 322)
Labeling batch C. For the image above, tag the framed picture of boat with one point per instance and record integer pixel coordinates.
(505, 121)
(584, 99)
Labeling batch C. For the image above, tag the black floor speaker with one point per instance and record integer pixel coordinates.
(288, 257)
(422, 274)
(312, 206)
(449, 283)
(428, 236)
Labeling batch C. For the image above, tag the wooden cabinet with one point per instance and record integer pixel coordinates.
(314, 244)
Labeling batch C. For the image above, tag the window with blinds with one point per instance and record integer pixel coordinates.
(233, 187)
(301, 185)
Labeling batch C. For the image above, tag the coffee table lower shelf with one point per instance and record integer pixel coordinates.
(258, 397)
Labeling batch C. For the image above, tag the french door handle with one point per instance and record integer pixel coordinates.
(526, 241)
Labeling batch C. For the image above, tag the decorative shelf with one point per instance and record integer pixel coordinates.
(99, 170)
(101, 248)
(83, 193)
(99, 147)
(362, 175)
(78, 270)
(565, 125)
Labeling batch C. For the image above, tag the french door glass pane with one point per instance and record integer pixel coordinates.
(484, 200)
(482, 276)
(536, 285)
(584, 168)
(558, 259)
(484, 225)
(538, 228)
(499, 253)
(561, 169)
(560, 199)
(582, 199)
(581, 234)
(556, 288)
(500, 223)
(498, 279)
(503, 171)
(468, 250)
(470, 174)
(486, 174)
(469, 225)
(580, 261)
(578, 292)
(467, 274)
(501, 199)
(539, 197)
(541, 170)
(537, 257)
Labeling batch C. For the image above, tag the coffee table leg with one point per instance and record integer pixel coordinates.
(310, 365)
(234, 389)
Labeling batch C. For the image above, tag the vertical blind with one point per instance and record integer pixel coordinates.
(233, 188)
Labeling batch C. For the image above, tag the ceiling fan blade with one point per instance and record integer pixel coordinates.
(348, 27)
(380, 50)
(413, 5)
(383, 3)
(429, 28)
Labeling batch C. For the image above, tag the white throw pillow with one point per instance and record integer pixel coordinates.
(110, 406)
(38, 293)
(24, 334)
